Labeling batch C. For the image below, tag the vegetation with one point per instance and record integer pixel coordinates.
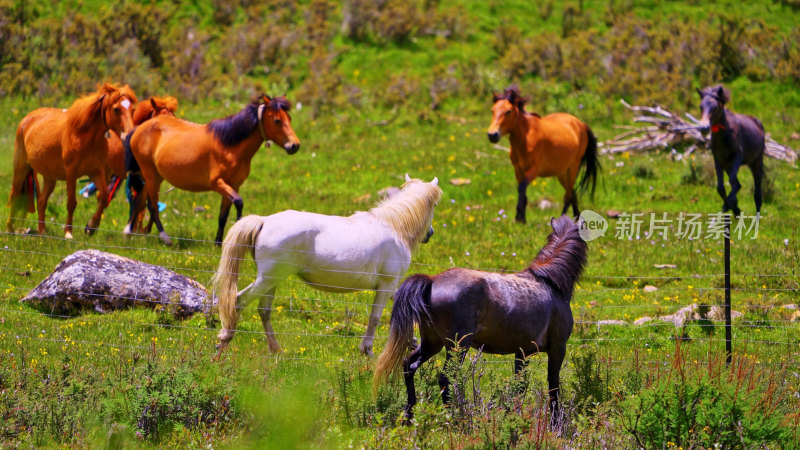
(388, 88)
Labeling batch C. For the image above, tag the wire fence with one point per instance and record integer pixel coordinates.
(331, 306)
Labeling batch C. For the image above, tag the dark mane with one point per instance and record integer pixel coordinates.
(513, 95)
(232, 130)
(561, 261)
(278, 103)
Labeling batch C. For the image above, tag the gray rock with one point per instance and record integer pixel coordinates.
(104, 282)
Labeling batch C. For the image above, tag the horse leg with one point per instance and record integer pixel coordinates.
(427, 349)
(462, 346)
(102, 202)
(48, 185)
(522, 201)
(570, 198)
(733, 177)
(265, 311)
(555, 357)
(72, 202)
(721, 184)
(230, 195)
(382, 294)
(152, 185)
(224, 210)
(757, 167)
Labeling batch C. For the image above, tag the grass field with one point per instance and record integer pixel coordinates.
(68, 379)
(144, 379)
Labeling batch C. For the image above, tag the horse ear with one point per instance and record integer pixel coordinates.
(153, 103)
(266, 98)
(101, 98)
(722, 95)
(699, 92)
(495, 98)
(408, 178)
(512, 96)
(435, 181)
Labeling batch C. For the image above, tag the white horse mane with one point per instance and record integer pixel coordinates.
(409, 211)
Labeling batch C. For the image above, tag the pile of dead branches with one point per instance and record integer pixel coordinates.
(664, 130)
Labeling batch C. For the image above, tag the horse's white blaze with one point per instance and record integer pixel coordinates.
(126, 103)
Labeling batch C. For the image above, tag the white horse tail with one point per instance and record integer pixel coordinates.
(239, 240)
(410, 307)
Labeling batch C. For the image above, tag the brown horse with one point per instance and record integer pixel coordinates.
(556, 145)
(214, 157)
(64, 145)
(145, 110)
(736, 139)
(522, 313)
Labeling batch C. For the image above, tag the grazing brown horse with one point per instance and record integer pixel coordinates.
(736, 139)
(556, 145)
(522, 313)
(214, 157)
(64, 145)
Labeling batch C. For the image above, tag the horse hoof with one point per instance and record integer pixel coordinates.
(90, 230)
(67, 235)
(165, 239)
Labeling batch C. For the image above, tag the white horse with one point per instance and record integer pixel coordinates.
(370, 250)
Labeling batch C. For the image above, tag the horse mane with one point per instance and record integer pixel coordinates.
(235, 128)
(86, 109)
(408, 211)
(144, 110)
(513, 95)
(714, 91)
(561, 261)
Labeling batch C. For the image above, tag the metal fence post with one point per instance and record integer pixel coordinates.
(728, 331)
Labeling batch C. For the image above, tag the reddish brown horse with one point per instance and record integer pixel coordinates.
(64, 145)
(214, 157)
(145, 110)
(521, 313)
(556, 145)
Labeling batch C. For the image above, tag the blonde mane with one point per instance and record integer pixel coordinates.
(84, 111)
(409, 211)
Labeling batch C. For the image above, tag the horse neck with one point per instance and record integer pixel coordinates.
(518, 136)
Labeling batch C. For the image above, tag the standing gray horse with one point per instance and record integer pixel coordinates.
(521, 313)
(736, 139)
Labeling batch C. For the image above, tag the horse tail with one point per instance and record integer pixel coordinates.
(410, 305)
(23, 185)
(239, 240)
(590, 162)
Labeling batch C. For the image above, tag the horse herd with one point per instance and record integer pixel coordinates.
(109, 135)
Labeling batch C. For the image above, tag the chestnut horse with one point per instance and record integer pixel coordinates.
(521, 313)
(64, 145)
(556, 145)
(214, 157)
(736, 139)
(145, 110)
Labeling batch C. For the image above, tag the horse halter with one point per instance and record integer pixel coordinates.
(261, 123)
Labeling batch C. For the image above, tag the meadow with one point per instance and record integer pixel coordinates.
(142, 378)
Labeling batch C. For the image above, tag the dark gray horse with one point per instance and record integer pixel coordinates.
(736, 139)
(521, 313)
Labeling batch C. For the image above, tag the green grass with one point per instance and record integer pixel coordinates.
(338, 171)
(76, 381)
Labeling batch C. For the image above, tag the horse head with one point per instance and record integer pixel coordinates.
(505, 112)
(712, 105)
(433, 195)
(116, 105)
(276, 122)
(156, 106)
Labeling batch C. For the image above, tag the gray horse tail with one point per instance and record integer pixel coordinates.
(410, 307)
(240, 240)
